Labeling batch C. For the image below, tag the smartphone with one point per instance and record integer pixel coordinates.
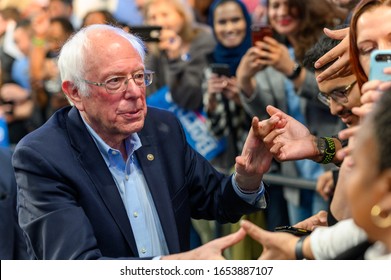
(259, 31)
(379, 60)
(147, 33)
(221, 69)
(293, 230)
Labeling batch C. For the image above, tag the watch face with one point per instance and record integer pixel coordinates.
(322, 145)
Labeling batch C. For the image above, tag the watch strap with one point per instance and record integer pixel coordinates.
(296, 72)
(329, 150)
(299, 248)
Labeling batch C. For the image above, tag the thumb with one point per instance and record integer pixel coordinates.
(256, 233)
(271, 110)
(230, 240)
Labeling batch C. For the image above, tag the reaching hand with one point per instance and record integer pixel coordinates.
(293, 141)
(255, 159)
(276, 245)
(212, 250)
(371, 92)
(325, 185)
(317, 220)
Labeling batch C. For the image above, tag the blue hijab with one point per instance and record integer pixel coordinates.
(230, 56)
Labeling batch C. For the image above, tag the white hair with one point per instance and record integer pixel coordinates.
(71, 61)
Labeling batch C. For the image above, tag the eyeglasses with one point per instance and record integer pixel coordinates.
(120, 83)
(340, 95)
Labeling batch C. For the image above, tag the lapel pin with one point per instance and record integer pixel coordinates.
(150, 157)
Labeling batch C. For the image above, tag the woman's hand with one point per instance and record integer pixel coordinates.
(276, 55)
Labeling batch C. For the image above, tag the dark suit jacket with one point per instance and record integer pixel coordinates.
(69, 204)
(12, 243)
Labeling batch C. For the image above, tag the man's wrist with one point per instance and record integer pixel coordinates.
(249, 185)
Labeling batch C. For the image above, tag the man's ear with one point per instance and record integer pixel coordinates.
(73, 94)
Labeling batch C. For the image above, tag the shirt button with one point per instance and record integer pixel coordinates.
(114, 152)
(143, 250)
(135, 214)
(126, 177)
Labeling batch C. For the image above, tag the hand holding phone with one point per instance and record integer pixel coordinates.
(221, 69)
(293, 230)
(380, 59)
(260, 31)
(148, 33)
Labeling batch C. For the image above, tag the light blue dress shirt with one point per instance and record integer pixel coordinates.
(133, 188)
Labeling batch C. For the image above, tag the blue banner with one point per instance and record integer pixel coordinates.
(193, 122)
(4, 142)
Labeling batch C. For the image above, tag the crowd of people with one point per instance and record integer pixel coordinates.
(90, 169)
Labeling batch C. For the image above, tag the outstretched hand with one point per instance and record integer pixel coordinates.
(291, 142)
(256, 158)
(276, 245)
(212, 250)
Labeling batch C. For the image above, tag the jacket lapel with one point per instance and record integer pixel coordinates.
(95, 166)
(151, 164)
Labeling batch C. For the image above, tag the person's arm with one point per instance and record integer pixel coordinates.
(328, 242)
(251, 63)
(324, 243)
(294, 141)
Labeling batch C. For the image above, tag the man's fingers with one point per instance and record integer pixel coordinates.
(348, 132)
(252, 230)
(272, 110)
(230, 240)
(263, 128)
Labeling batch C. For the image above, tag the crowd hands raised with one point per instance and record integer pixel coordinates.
(280, 137)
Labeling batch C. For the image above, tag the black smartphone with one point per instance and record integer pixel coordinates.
(293, 230)
(221, 69)
(148, 33)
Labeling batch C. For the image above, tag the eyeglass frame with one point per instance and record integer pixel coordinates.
(126, 82)
(341, 99)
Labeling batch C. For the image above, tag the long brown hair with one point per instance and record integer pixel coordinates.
(314, 15)
(362, 7)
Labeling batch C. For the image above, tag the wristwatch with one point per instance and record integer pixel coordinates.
(295, 72)
(326, 147)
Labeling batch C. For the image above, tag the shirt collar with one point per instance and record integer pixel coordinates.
(132, 143)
